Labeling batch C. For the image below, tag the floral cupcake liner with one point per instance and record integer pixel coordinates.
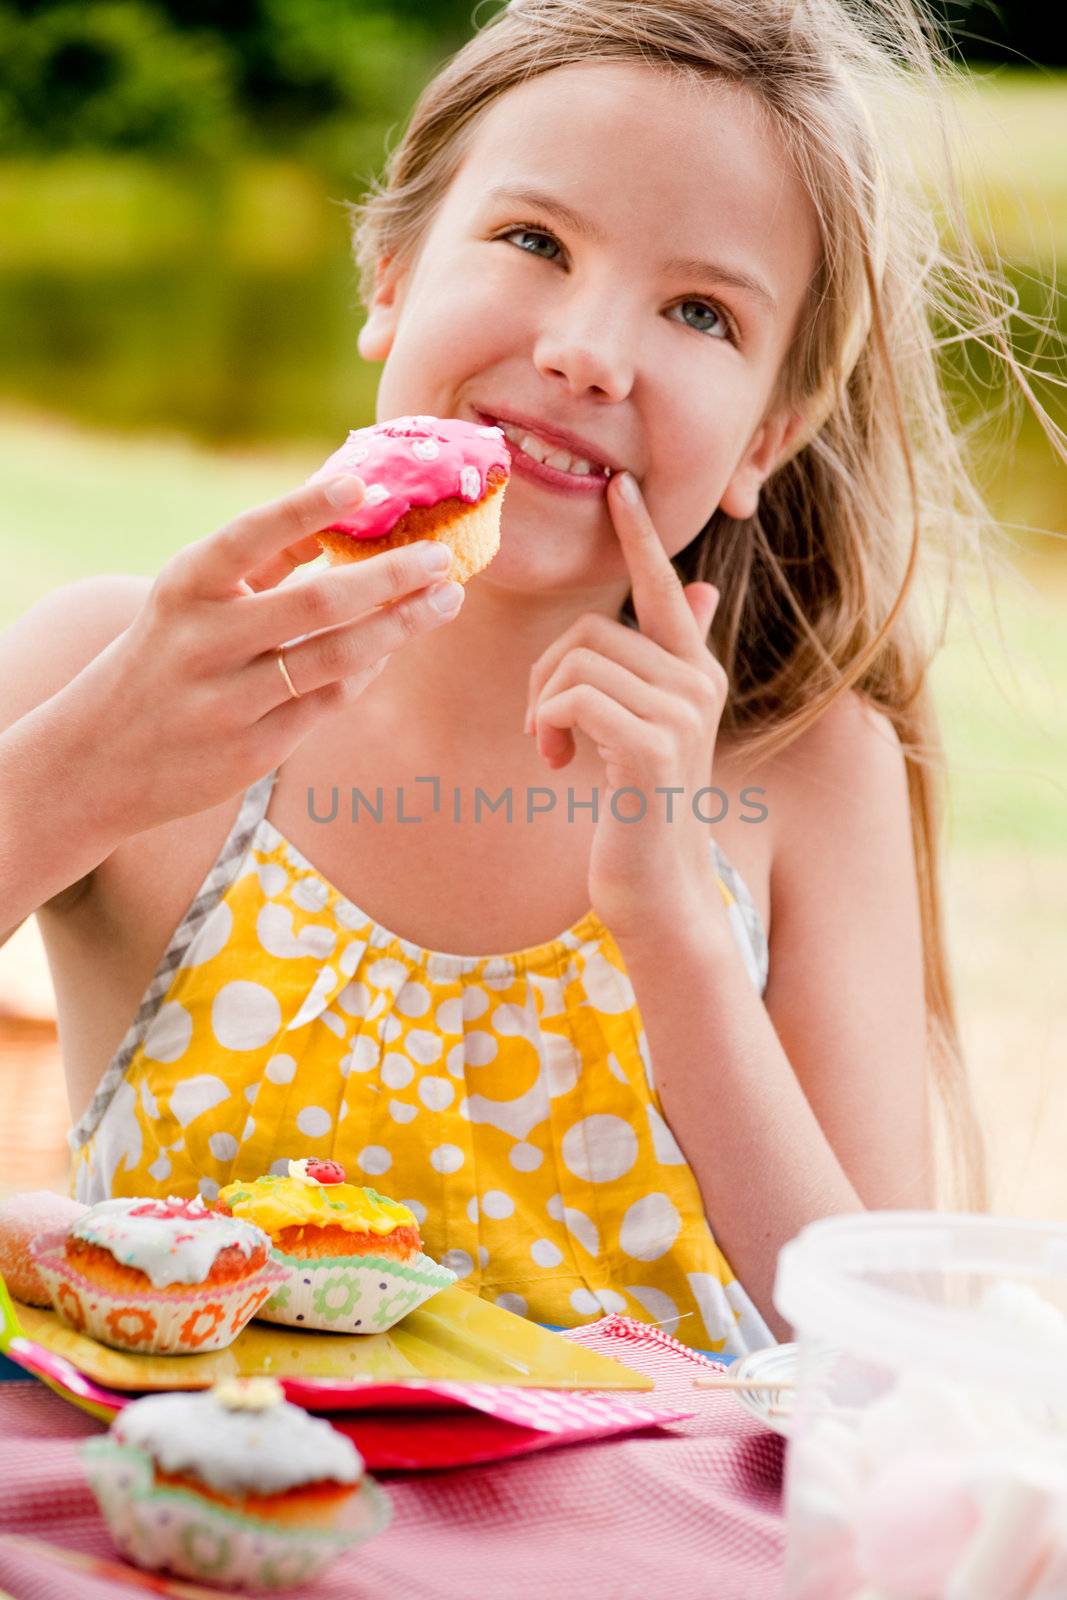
(188, 1321)
(352, 1294)
(162, 1526)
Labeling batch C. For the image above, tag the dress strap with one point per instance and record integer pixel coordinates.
(225, 869)
(252, 811)
(749, 913)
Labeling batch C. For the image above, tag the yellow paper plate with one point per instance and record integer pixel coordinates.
(454, 1335)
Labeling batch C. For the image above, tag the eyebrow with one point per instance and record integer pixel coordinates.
(683, 266)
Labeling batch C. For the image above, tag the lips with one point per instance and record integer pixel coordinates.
(572, 442)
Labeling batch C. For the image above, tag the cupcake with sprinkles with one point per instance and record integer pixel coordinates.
(157, 1276)
(233, 1486)
(353, 1258)
(426, 478)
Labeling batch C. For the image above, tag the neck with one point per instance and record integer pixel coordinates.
(463, 687)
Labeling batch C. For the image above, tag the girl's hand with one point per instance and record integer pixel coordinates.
(188, 706)
(651, 701)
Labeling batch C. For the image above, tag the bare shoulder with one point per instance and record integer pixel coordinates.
(55, 639)
(848, 761)
(842, 836)
(61, 633)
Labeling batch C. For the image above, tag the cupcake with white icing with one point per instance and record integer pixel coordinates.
(157, 1276)
(233, 1485)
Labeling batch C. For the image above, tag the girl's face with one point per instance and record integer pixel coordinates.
(561, 282)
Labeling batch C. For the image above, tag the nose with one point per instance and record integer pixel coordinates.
(587, 339)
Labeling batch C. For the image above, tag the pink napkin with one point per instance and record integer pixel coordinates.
(693, 1510)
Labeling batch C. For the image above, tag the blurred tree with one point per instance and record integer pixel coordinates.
(304, 76)
(325, 79)
(116, 75)
(1018, 34)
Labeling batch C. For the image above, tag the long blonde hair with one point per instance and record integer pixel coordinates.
(820, 589)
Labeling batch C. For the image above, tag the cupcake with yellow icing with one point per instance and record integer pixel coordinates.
(353, 1258)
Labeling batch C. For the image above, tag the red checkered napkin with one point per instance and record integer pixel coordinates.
(422, 1426)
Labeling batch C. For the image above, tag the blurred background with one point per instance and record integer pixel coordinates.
(178, 317)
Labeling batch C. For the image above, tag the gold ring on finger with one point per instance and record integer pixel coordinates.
(279, 656)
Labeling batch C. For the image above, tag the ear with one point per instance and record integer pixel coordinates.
(376, 336)
(768, 445)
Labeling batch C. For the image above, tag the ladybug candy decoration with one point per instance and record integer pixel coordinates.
(319, 1171)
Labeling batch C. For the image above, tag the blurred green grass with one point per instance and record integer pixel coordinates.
(126, 505)
(79, 502)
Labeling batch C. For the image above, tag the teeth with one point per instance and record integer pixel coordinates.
(546, 453)
(565, 462)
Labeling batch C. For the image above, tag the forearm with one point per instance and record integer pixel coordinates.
(52, 810)
(762, 1162)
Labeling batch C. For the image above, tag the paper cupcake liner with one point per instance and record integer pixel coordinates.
(156, 1526)
(185, 1321)
(352, 1294)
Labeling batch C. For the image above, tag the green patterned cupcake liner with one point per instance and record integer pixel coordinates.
(352, 1294)
(185, 1533)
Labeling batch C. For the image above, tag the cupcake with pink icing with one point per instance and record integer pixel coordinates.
(426, 478)
(157, 1276)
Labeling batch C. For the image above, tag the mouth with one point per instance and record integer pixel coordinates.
(557, 452)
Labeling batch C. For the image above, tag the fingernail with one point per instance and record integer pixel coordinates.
(446, 597)
(435, 556)
(628, 487)
(342, 491)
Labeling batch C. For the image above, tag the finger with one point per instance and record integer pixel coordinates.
(335, 596)
(613, 639)
(292, 720)
(624, 686)
(703, 599)
(601, 718)
(283, 565)
(216, 566)
(658, 598)
(340, 653)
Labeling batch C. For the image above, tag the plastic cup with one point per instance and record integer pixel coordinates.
(928, 1449)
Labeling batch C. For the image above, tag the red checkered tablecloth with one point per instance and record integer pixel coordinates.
(689, 1511)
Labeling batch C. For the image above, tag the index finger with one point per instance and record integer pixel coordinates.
(663, 613)
(253, 541)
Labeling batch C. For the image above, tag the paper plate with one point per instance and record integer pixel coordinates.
(776, 1362)
(454, 1335)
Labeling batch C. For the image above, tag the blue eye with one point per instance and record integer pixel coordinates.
(710, 311)
(533, 233)
(729, 328)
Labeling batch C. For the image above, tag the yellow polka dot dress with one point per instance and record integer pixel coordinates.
(508, 1100)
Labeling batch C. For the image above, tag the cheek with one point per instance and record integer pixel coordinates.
(443, 341)
(688, 476)
(465, 298)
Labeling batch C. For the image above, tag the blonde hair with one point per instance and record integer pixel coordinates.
(819, 589)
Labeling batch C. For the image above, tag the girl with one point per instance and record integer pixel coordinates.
(673, 240)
